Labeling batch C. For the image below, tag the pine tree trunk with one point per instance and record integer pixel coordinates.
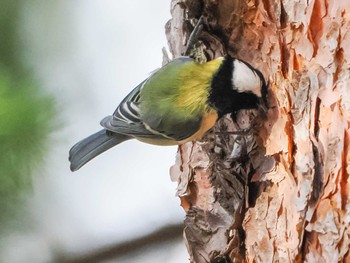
(280, 192)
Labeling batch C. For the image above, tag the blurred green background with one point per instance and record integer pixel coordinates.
(27, 115)
(64, 65)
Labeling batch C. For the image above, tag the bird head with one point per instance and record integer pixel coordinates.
(236, 86)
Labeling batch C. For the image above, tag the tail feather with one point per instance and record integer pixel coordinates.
(90, 147)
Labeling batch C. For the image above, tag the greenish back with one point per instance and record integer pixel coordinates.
(174, 99)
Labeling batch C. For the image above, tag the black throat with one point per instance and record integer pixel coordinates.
(224, 97)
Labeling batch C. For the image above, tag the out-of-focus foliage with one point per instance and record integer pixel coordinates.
(26, 115)
(25, 118)
(9, 44)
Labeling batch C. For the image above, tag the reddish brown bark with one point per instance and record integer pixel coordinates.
(280, 193)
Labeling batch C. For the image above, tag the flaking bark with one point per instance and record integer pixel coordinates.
(279, 193)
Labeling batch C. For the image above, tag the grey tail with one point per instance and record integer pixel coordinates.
(90, 147)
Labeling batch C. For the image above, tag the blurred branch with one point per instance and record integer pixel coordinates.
(160, 236)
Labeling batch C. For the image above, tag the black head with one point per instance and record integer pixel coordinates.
(236, 86)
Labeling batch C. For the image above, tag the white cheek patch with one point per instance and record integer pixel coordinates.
(245, 79)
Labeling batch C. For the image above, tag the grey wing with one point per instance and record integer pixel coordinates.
(128, 125)
(126, 118)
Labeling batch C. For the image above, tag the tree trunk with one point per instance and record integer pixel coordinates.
(279, 191)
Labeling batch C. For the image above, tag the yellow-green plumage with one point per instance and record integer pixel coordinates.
(195, 88)
(178, 103)
(175, 98)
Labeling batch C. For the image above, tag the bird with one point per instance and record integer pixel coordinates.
(176, 104)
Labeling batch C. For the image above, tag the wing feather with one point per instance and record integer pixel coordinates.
(126, 118)
(155, 123)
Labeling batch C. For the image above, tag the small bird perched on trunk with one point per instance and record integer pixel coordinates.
(176, 104)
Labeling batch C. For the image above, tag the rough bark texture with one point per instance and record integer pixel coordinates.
(279, 193)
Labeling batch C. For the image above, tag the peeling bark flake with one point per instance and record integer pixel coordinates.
(281, 192)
